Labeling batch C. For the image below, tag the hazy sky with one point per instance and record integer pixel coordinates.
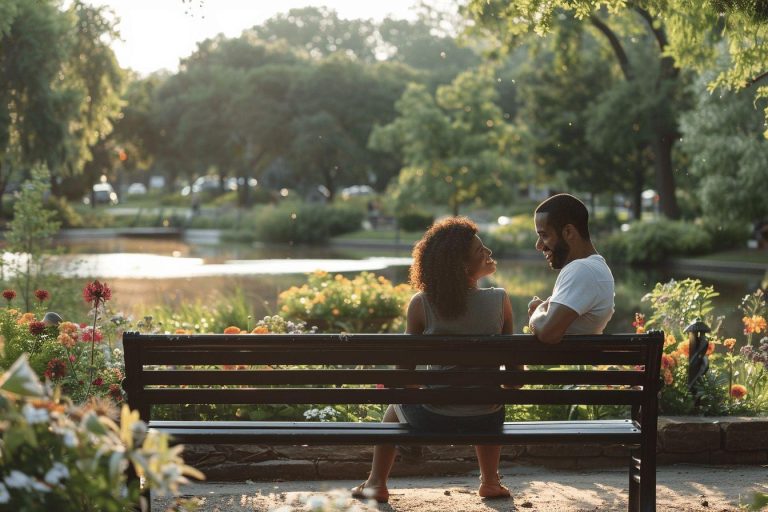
(156, 33)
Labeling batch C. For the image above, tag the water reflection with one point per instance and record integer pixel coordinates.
(145, 272)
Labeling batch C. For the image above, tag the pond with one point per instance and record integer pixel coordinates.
(147, 272)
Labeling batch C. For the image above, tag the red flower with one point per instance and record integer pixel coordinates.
(98, 381)
(56, 369)
(42, 295)
(88, 335)
(116, 392)
(36, 328)
(97, 293)
(9, 295)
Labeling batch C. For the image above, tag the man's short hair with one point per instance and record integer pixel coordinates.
(562, 209)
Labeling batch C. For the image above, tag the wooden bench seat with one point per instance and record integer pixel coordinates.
(329, 369)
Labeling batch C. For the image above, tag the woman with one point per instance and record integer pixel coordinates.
(448, 262)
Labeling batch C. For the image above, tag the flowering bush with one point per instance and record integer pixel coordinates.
(58, 456)
(77, 357)
(365, 303)
(737, 380)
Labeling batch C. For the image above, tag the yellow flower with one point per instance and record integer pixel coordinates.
(729, 343)
(669, 340)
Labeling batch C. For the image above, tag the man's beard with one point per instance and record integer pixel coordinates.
(560, 254)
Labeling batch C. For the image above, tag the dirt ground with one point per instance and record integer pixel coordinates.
(679, 488)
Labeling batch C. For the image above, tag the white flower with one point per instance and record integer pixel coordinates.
(317, 502)
(39, 486)
(34, 415)
(17, 480)
(57, 473)
(70, 439)
(5, 496)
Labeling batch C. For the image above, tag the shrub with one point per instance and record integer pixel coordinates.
(517, 234)
(365, 303)
(414, 220)
(59, 456)
(736, 381)
(653, 242)
(79, 358)
(64, 212)
(292, 223)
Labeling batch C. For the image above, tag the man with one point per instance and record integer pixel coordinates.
(582, 299)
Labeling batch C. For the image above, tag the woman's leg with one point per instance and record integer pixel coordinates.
(383, 459)
(488, 460)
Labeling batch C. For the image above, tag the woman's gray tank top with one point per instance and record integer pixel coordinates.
(484, 315)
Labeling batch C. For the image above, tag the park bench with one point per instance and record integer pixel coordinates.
(620, 369)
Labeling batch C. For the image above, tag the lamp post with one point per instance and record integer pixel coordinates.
(698, 363)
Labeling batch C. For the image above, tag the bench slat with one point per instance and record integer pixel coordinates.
(389, 377)
(385, 396)
(359, 356)
(345, 425)
(359, 433)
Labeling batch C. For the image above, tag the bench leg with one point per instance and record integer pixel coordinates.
(634, 483)
(648, 478)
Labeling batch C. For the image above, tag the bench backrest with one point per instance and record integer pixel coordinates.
(618, 369)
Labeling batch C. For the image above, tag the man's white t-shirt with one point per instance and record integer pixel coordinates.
(586, 286)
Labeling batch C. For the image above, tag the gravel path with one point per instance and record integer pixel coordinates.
(680, 488)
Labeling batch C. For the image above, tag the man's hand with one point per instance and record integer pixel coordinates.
(535, 303)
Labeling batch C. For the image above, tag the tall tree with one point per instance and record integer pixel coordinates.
(683, 31)
(59, 86)
(456, 145)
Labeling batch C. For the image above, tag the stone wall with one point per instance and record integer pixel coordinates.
(728, 440)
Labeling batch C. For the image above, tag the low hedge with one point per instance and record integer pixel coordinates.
(654, 242)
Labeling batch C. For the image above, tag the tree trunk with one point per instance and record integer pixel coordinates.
(637, 192)
(665, 180)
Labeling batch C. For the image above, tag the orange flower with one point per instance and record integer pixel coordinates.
(181, 331)
(667, 361)
(66, 340)
(710, 347)
(684, 348)
(668, 377)
(335, 312)
(754, 324)
(669, 340)
(68, 328)
(26, 318)
(261, 329)
(729, 343)
(738, 391)
(232, 330)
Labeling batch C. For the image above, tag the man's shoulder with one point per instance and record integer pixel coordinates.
(592, 266)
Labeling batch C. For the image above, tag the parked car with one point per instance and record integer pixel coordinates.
(137, 189)
(103, 193)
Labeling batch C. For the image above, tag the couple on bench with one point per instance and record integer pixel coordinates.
(448, 262)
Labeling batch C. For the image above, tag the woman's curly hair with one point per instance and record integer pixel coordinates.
(439, 265)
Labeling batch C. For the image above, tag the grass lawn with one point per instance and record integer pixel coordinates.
(738, 255)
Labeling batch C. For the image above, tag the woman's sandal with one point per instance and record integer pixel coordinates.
(361, 493)
(493, 489)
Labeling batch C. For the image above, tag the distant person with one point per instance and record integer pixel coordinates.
(582, 299)
(448, 262)
(373, 213)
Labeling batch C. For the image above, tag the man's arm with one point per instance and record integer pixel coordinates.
(550, 321)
